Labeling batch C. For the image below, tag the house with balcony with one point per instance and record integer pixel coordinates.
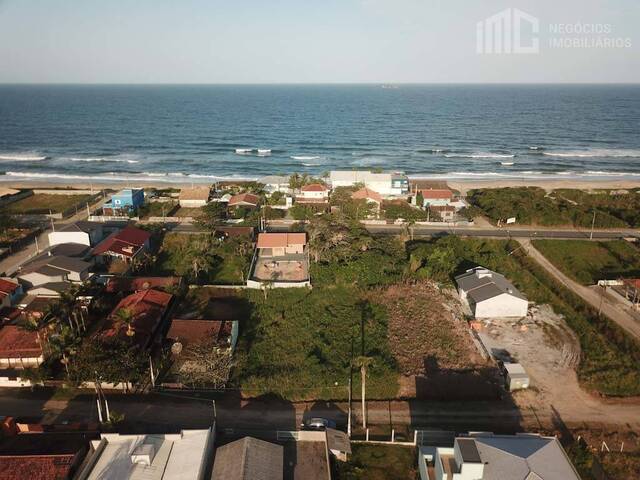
(280, 260)
(386, 184)
(124, 202)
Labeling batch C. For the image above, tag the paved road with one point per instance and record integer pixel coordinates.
(487, 232)
(616, 311)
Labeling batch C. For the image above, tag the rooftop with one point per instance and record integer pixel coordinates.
(195, 193)
(249, 459)
(179, 456)
(188, 331)
(314, 187)
(367, 194)
(80, 226)
(482, 284)
(241, 198)
(125, 242)
(436, 194)
(15, 342)
(136, 284)
(280, 240)
(8, 287)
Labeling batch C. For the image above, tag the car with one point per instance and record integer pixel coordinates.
(317, 423)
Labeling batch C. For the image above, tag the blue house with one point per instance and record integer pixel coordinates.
(125, 201)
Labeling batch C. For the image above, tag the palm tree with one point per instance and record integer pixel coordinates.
(363, 363)
(124, 317)
(64, 343)
(35, 323)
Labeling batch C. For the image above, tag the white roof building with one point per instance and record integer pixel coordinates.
(275, 183)
(181, 456)
(490, 294)
(83, 232)
(503, 457)
(386, 184)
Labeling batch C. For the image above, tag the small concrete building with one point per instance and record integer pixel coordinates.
(490, 294)
(281, 244)
(516, 378)
(125, 201)
(195, 197)
(313, 193)
(84, 233)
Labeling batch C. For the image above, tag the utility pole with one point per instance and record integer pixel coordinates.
(153, 380)
(593, 224)
(349, 411)
(37, 248)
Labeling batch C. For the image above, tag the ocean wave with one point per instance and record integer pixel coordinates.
(101, 159)
(118, 177)
(433, 150)
(22, 157)
(596, 152)
(305, 157)
(244, 151)
(479, 155)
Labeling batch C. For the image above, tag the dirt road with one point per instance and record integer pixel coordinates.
(614, 310)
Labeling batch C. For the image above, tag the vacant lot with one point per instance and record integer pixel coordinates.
(203, 259)
(42, 203)
(587, 262)
(379, 462)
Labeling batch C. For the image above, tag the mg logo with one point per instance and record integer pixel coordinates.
(503, 32)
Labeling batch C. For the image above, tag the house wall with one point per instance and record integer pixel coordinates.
(314, 195)
(21, 363)
(192, 203)
(78, 276)
(504, 305)
(35, 279)
(294, 249)
(56, 238)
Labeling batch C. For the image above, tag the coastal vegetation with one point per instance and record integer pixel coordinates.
(534, 206)
(587, 262)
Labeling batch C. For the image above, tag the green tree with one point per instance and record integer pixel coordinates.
(125, 318)
(363, 363)
(212, 215)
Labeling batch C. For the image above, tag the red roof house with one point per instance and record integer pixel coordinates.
(19, 348)
(125, 244)
(147, 308)
(9, 292)
(368, 195)
(136, 284)
(313, 193)
(436, 194)
(244, 200)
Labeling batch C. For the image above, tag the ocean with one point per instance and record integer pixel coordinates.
(203, 133)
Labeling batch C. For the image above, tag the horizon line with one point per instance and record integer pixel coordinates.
(310, 83)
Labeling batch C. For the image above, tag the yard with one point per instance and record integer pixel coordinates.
(378, 462)
(203, 259)
(587, 262)
(41, 203)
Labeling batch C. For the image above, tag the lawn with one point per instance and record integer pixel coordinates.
(610, 362)
(220, 262)
(587, 262)
(41, 203)
(378, 462)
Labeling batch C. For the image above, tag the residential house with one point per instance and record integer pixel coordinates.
(315, 193)
(42, 456)
(275, 183)
(54, 269)
(125, 245)
(194, 197)
(281, 244)
(19, 348)
(168, 456)
(147, 309)
(50, 290)
(386, 184)
(249, 459)
(490, 294)
(10, 292)
(369, 196)
(124, 202)
(84, 233)
(247, 200)
(436, 197)
(501, 457)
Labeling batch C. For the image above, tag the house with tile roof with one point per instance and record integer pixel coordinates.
(490, 295)
(54, 268)
(281, 259)
(125, 245)
(244, 200)
(19, 348)
(147, 309)
(248, 459)
(10, 292)
(315, 193)
(194, 197)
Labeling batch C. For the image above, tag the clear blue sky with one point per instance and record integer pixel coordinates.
(291, 41)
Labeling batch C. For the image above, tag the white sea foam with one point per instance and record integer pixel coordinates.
(264, 151)
(305, 157)
(117, 177)
(22, 157)
(244, 151)
(596, 152)
(479, 155)
(102, 159)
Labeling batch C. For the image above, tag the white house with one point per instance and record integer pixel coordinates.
(487, 456)
(275, 183)
(313, 193)
(54, 269)
(84, 233)
(168, 456)
(386, 184)
(490, 294)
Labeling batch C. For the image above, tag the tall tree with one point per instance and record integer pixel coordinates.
(124, 318)
(363, 363)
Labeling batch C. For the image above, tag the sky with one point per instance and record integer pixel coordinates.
(309, 41)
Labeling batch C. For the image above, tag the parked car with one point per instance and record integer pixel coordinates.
(317, 423)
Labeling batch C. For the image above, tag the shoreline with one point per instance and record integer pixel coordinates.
(461, 185)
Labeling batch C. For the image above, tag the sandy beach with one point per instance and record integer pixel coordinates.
(463, 186)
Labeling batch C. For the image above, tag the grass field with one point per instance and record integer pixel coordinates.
(41, 203)
(587, 262)
(379, 462)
